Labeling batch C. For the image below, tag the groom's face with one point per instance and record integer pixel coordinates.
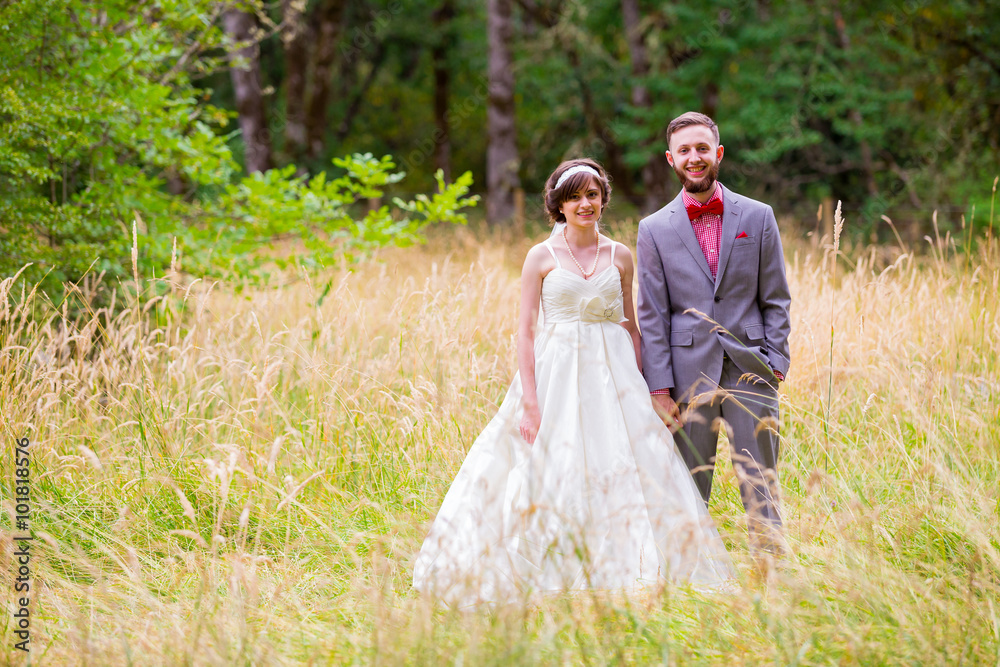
(695, 157)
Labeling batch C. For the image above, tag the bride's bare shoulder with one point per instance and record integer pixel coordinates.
(539, 259)
(623, 257)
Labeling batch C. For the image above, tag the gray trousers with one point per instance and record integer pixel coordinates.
(749, 412)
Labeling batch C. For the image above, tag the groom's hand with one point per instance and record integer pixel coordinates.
(667, 410)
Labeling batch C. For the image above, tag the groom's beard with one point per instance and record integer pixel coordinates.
(702, 186)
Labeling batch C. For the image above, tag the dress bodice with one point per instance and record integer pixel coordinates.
(568, 297)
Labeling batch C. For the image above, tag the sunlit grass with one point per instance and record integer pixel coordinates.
(244, 476)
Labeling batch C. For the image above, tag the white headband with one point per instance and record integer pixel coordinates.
(578, 169)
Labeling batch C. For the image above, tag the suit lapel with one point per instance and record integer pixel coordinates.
(731, 217)
(679, 222)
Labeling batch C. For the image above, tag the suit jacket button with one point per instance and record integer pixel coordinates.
(718, 299)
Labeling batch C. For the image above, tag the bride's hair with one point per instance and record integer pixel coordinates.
(554, 196)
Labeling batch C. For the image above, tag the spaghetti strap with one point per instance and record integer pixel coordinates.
(613, 246)
(553, 252)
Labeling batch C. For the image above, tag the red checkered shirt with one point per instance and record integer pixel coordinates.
(707, 228)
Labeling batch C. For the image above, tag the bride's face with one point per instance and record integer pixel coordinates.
(583, 207)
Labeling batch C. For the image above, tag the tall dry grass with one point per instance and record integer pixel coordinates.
(243, 476)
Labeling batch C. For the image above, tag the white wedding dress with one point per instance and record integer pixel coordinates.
(601, 500)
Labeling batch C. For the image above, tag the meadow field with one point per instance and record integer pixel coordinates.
(242, 475)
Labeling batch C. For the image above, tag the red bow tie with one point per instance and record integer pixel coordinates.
(695, 211)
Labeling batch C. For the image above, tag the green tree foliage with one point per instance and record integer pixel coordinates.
(116, 107)
(99, 112)
(321, 213)
(865, 102)
(104, 121)
(868, 102)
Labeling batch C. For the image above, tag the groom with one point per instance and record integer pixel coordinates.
(713, 310)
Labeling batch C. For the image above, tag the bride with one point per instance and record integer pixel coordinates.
(575, 483)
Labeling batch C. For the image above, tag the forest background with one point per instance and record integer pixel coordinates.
(238, 438)
(160, 112)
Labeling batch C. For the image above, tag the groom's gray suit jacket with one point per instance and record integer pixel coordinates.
(688, 319)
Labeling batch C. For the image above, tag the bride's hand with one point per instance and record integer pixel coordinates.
(529, 424)
(667, 410)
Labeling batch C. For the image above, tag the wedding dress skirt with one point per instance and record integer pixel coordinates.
(601, 500)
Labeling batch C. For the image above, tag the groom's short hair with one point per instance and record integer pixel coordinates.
(692, 118)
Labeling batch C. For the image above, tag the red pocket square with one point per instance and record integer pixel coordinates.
(742, 235)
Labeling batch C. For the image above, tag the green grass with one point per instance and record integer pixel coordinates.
(231, 476)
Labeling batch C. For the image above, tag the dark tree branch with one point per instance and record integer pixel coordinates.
(355, 106)
(656, 171)
(294, 34)
(331, 14)
(443, 43)
(544, 15)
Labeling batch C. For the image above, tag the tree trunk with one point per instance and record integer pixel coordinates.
(603, 135)
(867, 161)
(331, 13)
(443, 16)
(710, 99)
(294, 36)
(501, 151)
(240, 26)
(359, 95)
(656, 171)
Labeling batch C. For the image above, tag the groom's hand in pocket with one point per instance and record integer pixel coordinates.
(667, 410)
